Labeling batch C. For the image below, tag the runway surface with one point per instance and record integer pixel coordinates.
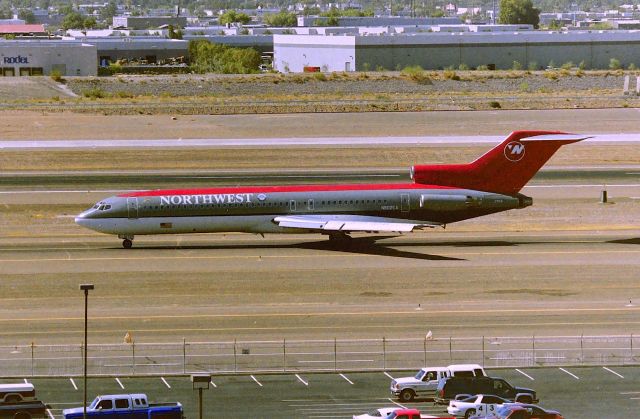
(220, 288)
(289, 142)
(56, 126)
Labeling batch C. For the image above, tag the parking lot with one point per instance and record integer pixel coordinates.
(611, 392)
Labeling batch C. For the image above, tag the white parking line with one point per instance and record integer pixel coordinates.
(213, 384)
(345, 377)
(613, 372)
(73, 383)
(302, 381)
(525, 374)
(119, 383)
(50, 414)
(165, 382)
(397, 404)
(25, 381)
(573, 375)
(387, 374)
(256, 380)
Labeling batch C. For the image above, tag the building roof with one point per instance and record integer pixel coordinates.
(15, 29)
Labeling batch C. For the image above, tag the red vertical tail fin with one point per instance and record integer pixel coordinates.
(504, 169)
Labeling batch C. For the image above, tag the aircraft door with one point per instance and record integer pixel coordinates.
(292, 205)
(404, 202)
(310, 205)
(132, 208)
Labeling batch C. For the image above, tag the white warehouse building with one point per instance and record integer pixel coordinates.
(438, 50)
(41, 57)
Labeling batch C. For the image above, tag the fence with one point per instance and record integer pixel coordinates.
(239, 357)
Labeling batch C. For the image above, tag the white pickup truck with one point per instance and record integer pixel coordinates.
(425, 382)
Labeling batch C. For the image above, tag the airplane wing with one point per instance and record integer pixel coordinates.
(350, 223)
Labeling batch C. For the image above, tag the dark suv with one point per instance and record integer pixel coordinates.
(448, 388)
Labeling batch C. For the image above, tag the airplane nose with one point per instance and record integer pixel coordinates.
(83, 218)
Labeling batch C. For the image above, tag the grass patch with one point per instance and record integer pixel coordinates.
(94, 93)
(416, 74)
(450, 75)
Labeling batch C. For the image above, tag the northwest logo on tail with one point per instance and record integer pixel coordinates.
(514, 151)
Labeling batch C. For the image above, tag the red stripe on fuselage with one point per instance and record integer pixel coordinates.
(284, 188)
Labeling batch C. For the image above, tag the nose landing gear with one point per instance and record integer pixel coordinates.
(127, 241)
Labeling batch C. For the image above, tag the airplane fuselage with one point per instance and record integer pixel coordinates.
(439, 195)
(252, 209)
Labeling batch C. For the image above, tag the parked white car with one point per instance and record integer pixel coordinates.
(468, 406)
(382, 412)
(394, 412)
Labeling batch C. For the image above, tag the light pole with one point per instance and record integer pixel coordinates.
(85, 288)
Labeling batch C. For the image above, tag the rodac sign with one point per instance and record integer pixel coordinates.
(16, 60)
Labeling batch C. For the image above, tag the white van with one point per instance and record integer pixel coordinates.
(14, 393)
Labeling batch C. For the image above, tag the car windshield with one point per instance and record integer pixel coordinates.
(469, 399)
(375, 412)
(419, 375)
(94, 403)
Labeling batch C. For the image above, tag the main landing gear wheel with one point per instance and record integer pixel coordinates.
(127, 240)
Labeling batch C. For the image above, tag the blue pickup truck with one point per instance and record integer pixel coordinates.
(129, 406)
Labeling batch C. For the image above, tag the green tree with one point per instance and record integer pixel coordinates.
(5, 10)
(519, 11)
(310, 11)
(89, 23)
(282, 19)
(107, 13)
(65, 10)
(173, 34)
(72, 20)
(333, 16)
(27, 15)
(231, 16)
(555, 25)
(206, 57)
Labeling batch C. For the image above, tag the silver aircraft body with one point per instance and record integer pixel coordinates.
(438, 195)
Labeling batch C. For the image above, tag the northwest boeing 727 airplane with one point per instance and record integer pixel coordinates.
(439, 194)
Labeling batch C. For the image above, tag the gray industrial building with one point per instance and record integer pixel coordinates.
(151, 49)
(41, 57)
(292, 53)
(148, 22)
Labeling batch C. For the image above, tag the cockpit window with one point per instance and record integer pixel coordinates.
(96, 206)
